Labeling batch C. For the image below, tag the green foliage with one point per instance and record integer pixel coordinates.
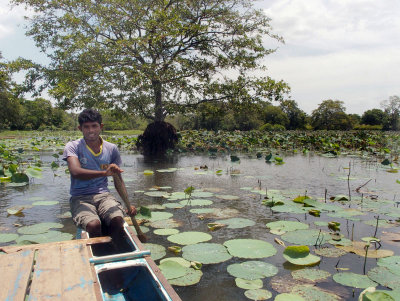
(391, 107)
(373, 117)
(152, 58)
(330, 115)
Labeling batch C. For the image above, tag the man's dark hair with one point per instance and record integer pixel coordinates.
(89, 115)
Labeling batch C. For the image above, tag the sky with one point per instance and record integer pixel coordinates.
(346, 50)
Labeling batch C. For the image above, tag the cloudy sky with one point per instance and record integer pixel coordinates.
(347, 50)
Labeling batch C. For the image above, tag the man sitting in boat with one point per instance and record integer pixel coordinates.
(91, 160)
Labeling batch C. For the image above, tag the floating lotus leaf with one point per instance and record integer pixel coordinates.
(193, 277)
(206, 253)
(36, 198)
(346, 213)
(156, 194)
(155, 216)
(148, 172)
(7, 237)
(288, 297)
(313, 275)
(358, 247)
(49, 236)
(321, 224)
(251, 270)
(175, 249)
(392, 263)
(313, 293)
(143, 228)
(377, 296)
(289, 209)
(172, 169)
(236, 223)
(228, 197)
(189, 238)
(19, 177)
(178, 195)
(258, 294)
(174, 205)
(17, 210)
(306, 237)
(202, 210)
(250, 248)
(202, 194)
(370, 239)
(340, 241)
(180, 260)
(196, 202)
(166, 223)
(156, 207)
(248, 284)
(34, 172)
(300, 255)
(284, 284)
(385, 277)
(215, 226)
(330, 252)
(172, 269)
(39, 228)
(222, 213)
(354, 280)
(381, 224)
(166, 231)
(157, 251)
(281, 227)
(45, 203)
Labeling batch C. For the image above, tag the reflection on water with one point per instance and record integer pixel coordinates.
(311, 175)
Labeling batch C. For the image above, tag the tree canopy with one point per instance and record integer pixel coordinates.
(153, 57)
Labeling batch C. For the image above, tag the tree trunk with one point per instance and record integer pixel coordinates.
(158, 106)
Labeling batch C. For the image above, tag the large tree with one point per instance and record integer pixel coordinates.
(391, 107)
(153, 57)
(330, 115)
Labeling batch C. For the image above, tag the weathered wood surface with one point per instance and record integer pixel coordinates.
(59, 271)
(63, 244)
(15, 270)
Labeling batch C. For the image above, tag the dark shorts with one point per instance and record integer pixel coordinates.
(102, 207)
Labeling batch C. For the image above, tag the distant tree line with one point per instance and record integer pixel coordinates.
(18, 113)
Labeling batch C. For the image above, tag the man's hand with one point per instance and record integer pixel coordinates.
(113, 169)
(131, 211)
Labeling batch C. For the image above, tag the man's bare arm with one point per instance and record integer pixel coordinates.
(78, 172)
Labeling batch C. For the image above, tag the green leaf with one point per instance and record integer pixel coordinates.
(144, 211)
(189, 238)
(251, 270)
(7, 237)
(258, 294)
(386, 162)
(250, 248)
(354, 280)
(172, 269)
(19, 178)
(249, 284)
(206, 253)
(300, 255)
(157, 251)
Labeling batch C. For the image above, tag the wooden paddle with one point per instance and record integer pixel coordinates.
(120, 185)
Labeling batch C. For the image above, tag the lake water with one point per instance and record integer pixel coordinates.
(313, 175)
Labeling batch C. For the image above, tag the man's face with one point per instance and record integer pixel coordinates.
(91, 130)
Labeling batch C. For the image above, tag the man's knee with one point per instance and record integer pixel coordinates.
(94, 228)
(117, 224)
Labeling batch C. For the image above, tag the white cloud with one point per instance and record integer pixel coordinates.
(342, 49)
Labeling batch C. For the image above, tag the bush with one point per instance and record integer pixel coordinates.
(272, 127)
(368, 127)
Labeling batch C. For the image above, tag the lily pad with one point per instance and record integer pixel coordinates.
(288, 297)
(250, 248)
(313, 275)
(193, 277)
(7, 237)
(166, 224)
(222, 213)
(45, 203)
(156, 194)
(251, 270)
(237, 223)
(288, 209)
(202, 210)
(39, 228)
(206, 253)
(202, 194)
(170, 231)
(381, 224)
(189, 238)
(196, 202)
(354, 280)
(49, 236)
(313, 293)
(330, 252)
(392, 263)
(172, 269)
(281, 227)
(385, 277)
(358, 247)
(155, 216)
(248, 284)
(300, 255)
(143, 228)
(377, 296)
(306, 237)
(157, 251)
(180, 260)
(258, 294)
(174, 205)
